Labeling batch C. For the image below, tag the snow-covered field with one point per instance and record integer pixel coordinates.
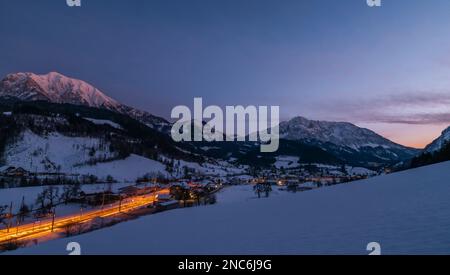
(215, 168)
(54, 153)
(59, 153)
(286, 162)
(104, 122)
(360, 171)
(127, 170)
(407, 213)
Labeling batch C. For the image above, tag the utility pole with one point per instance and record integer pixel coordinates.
(103, 204)
(22, 206)
(9, 217)
(103, 200)
(120, 204)
(53, 218)
(17, 227)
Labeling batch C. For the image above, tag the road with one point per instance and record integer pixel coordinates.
(41, 229)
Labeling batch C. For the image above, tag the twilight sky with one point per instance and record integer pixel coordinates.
(387, 69)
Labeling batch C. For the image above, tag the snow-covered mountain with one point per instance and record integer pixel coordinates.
(57, 88)
(339, 133)
(345, 138)
(439, 143)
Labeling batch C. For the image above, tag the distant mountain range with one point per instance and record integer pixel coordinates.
(339, 133)
(312, 141)
(346, 140)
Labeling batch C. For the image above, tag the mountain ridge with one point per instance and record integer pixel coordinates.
(339, 133)
(346, 139)
(57, 88)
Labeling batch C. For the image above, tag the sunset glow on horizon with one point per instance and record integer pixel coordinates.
(414, 136)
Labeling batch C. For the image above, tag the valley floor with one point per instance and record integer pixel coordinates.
(406, 213)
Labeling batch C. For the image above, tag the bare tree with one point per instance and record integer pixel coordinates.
(70, 192)
(24, 211)
(47, 198)
(40, 199)
(3, 214)
(52, 195)
(66, 194)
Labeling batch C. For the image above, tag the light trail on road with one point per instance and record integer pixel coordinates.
(37, 230)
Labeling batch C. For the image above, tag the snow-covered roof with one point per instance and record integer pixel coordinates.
(163, 196)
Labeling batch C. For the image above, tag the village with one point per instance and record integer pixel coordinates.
(66, 204)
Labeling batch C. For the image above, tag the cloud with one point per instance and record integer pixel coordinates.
(419, 108)
(415, 119)
(420, 99)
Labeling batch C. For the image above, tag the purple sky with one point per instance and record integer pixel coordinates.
(383, 68)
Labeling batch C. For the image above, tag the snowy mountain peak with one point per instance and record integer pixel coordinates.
(346, 140)
(58, 88)
(339, 133)
(437, 144)
(54, 87)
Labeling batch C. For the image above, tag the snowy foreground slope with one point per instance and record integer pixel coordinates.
(407, 213)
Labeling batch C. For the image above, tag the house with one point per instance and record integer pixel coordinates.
(15, 172)
(182, 185)
(211, 187)
(163, 197)
(194, 185)
(129, 191)
(96, 199)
